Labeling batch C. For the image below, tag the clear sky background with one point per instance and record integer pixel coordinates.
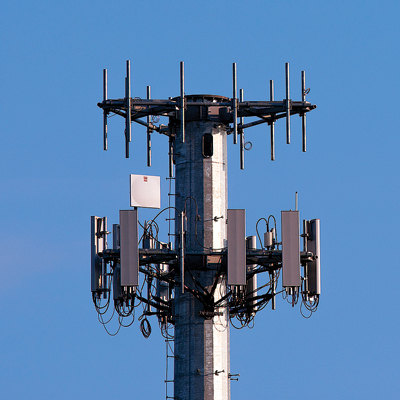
(55, 175)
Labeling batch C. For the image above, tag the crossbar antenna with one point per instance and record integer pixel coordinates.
(105, 112)
(234, 103)
(149, 130)
(272, 125)
(288, 103)
(128, 133)
(241, 122)
(303, 115)
(183, 101)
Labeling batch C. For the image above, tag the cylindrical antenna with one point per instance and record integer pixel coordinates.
(287, 104)
(296, 201)
(234, 100)
(128, 133)
(183, 101)
(105, 95)
(149, 130)
(241, 134)
(271, 97)
(303, 116)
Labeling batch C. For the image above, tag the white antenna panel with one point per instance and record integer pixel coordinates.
(145, 191)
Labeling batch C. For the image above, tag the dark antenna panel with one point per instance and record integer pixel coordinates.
(237, 247)
(290, 249)
(314, 266)
(129, 247)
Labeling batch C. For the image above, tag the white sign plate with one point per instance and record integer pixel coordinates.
(145, 191)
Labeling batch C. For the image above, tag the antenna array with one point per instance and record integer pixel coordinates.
(210, 274)
(235, 109)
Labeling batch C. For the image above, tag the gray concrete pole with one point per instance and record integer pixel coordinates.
(202, 365)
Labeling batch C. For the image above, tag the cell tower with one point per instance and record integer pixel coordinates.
(206, 278)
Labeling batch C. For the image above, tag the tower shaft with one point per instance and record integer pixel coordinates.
(202, 364)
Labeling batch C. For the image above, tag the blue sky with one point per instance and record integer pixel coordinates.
(55, 175)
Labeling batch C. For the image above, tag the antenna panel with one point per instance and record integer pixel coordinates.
(117, 289)
(145, 191)
(116, 236)
(129, 253)
(251, 288)
(237, 247)
(97, 246)
(313, 245)
(162, 286)
(290, 249)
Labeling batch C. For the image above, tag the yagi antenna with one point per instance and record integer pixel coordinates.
(105, 112)
(128, 132)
